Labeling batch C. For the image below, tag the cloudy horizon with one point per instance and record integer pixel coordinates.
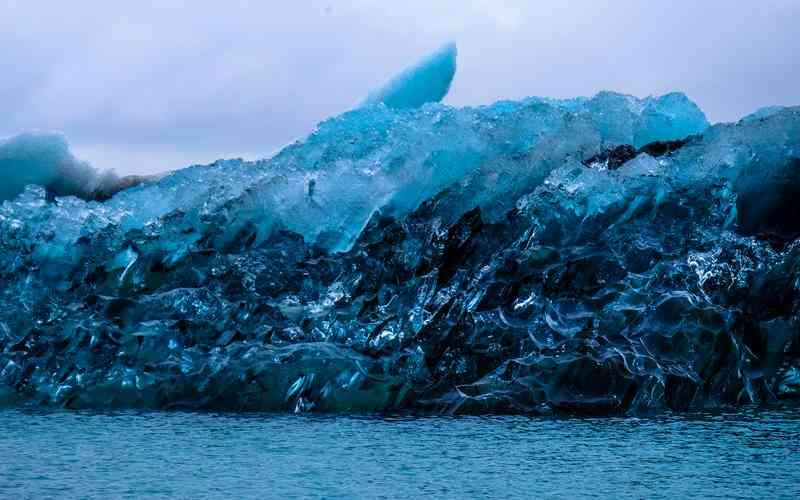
(147, 88)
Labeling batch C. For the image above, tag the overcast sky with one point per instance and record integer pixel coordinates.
(144, 87)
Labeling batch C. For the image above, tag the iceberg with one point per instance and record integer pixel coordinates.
(592, 255)
(44, 159)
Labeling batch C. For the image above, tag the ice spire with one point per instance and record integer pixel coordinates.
(428, 81)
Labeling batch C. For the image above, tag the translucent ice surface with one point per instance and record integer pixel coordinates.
(327, 186)
(428, 81)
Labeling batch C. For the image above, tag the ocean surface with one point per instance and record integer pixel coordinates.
(750, 453)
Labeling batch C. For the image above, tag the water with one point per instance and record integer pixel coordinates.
(748, 454)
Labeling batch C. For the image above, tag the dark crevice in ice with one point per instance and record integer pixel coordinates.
(614, 157)
(769, 205)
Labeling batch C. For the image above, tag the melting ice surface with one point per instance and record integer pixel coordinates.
(603, 254)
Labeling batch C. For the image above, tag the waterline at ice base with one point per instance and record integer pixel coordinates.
(593, 255)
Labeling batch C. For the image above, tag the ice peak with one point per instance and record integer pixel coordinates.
(427, 81)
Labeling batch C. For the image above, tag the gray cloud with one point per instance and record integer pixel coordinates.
(144, 87)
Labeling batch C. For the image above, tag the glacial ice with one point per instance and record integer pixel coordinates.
(603, 254)
(762, 113)
(376, 158)
(43, 159)
(428, 81)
